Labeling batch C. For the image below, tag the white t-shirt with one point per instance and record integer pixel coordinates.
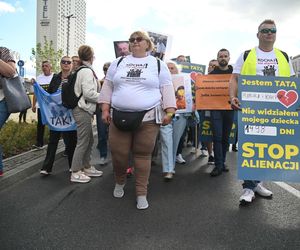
(267, 64)
(136, 82)
(44, 82)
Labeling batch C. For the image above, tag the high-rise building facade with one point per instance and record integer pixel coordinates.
(63, 22)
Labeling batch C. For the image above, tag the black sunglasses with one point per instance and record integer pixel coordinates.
(266, 31)
(138, 39)
(105, 69)
(65, 62)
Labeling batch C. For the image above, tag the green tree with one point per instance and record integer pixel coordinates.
(46, 52)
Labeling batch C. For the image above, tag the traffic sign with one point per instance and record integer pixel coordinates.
(20, 63)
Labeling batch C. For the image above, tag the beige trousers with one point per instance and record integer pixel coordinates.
(140, 143)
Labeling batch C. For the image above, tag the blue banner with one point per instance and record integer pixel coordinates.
(54, 114)
(268, 128)
(192, 68)
(205, 129)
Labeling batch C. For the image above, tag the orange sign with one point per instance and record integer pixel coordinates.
(212, 92)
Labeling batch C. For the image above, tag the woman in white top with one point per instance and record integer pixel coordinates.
(138, 82)
(86, 86)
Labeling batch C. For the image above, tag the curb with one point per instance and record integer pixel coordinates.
(21, 172)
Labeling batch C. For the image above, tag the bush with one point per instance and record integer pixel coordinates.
(16, 138)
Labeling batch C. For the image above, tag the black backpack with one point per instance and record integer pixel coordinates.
(68, 96)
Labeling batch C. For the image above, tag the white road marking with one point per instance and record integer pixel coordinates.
(289, 188)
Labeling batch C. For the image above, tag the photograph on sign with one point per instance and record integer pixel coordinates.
(162, 45)
(183, 92)
(121, 48)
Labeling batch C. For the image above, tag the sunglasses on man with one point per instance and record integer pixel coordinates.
(266, 31)
(65, 62)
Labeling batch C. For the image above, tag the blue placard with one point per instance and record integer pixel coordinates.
(205, 129)
(192, 67)
(268, 129)
(54, 114)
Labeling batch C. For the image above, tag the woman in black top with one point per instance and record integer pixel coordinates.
(70, 137)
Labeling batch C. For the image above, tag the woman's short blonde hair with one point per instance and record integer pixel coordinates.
(145, 36)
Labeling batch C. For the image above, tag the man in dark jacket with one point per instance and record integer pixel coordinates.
(221, 120)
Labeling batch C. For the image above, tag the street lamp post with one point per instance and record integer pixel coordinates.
(68, 30)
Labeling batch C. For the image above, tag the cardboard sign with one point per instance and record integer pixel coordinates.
(212, 92)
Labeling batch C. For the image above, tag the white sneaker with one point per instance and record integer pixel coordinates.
(262, 191)
(103, 161)
(44, 172)
(80, 177)
(118, 190)
(142, 202)
(179, 159)
(194, 150)
(92, 172)
(247, 196)
(203, 152)
(168, 176)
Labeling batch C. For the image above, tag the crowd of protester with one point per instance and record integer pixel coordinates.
(140, 87)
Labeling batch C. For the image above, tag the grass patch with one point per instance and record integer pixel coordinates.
(16, 138)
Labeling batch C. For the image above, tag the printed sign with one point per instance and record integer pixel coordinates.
(212, 92)
(162, 45)
(183, 92)
(269, 129)
(205, 129)
(121, 48)
(193, 68)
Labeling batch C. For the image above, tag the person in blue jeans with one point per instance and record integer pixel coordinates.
(102, 128)
(7, 69)
(170, 135)
(221, 120)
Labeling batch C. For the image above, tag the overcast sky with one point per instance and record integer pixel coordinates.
(198, 28)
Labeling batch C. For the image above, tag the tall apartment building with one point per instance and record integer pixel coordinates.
(63, 22)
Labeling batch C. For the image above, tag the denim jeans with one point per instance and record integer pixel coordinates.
(102, 130)
(170, 136)
(3, 117)
(250, 184)
(179, 125)
(166, 139)
(181, 142)
(221, 121)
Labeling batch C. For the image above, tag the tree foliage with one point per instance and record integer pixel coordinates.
(46, 52)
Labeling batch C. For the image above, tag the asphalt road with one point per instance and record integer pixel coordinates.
(194, 211)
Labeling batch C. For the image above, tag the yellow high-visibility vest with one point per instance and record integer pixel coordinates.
(249, 66)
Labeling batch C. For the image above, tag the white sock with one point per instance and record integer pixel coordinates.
(142, 202)
(118, 190)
